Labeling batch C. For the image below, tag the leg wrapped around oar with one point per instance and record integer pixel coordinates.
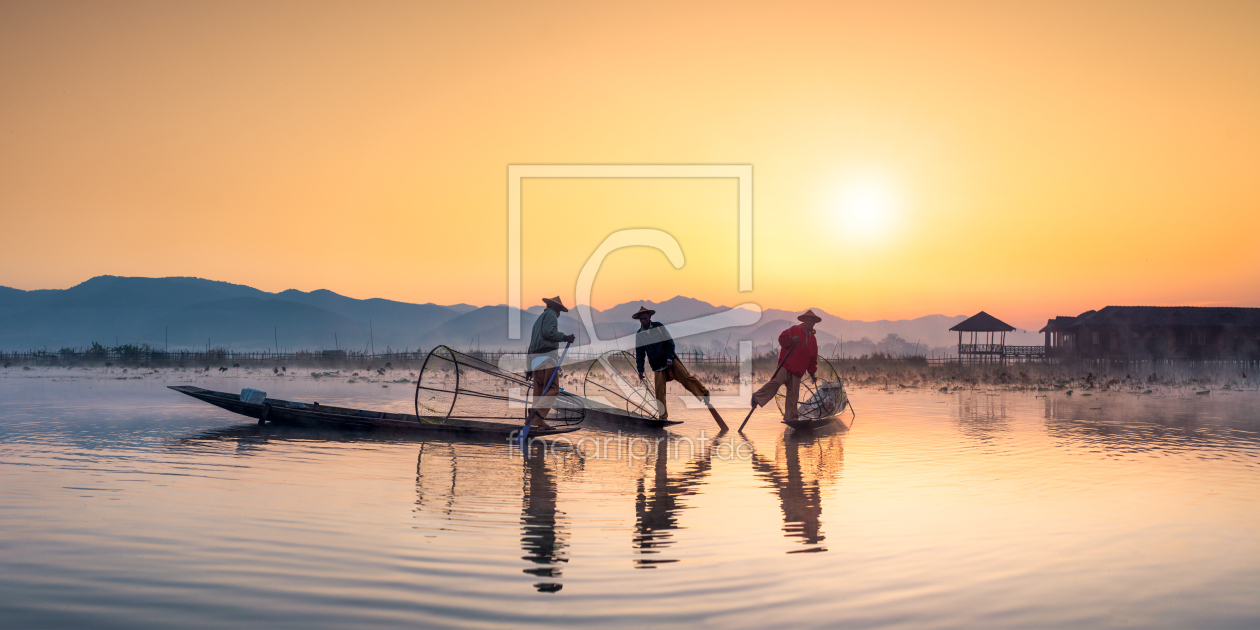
(676, 371)
(782, 378)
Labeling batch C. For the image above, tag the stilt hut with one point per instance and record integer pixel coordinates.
(987, 341)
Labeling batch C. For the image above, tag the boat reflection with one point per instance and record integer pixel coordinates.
(256, 435)
(803, 464)
(463, 487)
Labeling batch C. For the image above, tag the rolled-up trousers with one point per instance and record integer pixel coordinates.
(678, 373)
(767, 392)
(543, 400)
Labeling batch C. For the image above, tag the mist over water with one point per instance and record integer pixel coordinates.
(124, 504)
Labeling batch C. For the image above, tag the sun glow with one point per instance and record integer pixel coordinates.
(867, 207)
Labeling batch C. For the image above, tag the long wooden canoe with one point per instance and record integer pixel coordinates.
(315, 414)
(609, 416)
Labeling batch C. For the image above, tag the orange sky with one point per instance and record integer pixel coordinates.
(1028, 160)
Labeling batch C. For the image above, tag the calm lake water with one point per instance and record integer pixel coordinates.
(124, 504)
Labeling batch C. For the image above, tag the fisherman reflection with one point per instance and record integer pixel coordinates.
(541, 539)
(803, 464)
(657, 512)
(442, 484)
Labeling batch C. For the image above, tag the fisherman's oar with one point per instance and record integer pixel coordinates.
(787, 354)
(716, 416)
(529, 418)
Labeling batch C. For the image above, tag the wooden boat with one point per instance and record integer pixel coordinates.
(829, 402)
(613, 378)
(812, 425)
(315, 414)
(614, 417)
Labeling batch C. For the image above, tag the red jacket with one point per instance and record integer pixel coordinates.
(804, 355)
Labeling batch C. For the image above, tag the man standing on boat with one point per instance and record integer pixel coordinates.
(654, 342)
(798, 354)
(544, 341)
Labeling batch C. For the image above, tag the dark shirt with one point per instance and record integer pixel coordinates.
(656, 343)
(546, 337)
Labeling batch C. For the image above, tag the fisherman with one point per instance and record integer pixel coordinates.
(544, 341)
(798, 355)
(654, 342)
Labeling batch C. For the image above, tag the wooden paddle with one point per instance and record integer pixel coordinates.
(716, 416)
(787, 354)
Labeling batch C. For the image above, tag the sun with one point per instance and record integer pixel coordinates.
(867, 206)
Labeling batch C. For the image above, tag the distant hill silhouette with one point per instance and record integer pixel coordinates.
(111, 309)
(248, 323)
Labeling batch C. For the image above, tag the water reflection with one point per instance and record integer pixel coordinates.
(803, 464)
(256, 435)
(466, 484)
(1117, 423)
(542, 537)
(1138, 509)
(983, 417)
(657, 513)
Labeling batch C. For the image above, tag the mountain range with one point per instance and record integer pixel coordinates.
(182, 312)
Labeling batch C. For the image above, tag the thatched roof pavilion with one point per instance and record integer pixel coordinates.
(982, 322)
(982, 327)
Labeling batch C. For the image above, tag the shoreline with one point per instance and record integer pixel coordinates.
(856, 373)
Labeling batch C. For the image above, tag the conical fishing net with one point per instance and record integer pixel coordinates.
(458, 386)
(613, 379)
(816, 402)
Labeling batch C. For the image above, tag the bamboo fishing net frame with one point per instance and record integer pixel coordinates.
(624, 389)
(829, 399)
(456, 386)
